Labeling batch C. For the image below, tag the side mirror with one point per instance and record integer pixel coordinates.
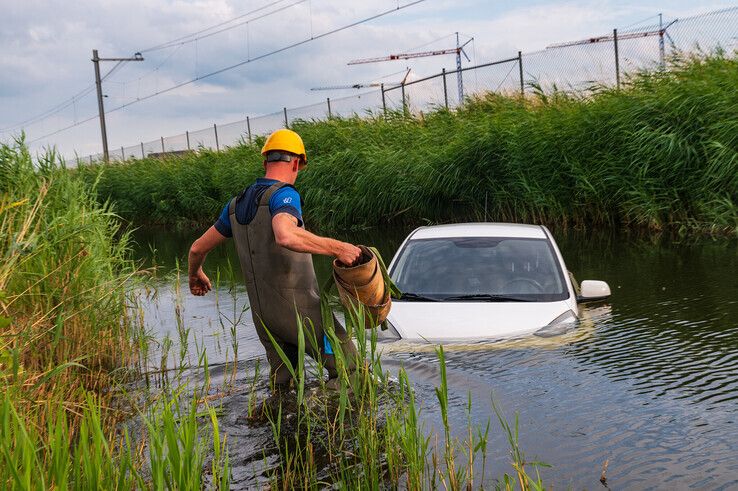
(593, 290)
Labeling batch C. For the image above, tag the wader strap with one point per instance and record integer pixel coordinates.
(267, 196)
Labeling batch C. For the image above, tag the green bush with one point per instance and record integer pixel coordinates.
(660, 153)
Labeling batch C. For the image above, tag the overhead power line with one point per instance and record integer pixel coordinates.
(239, 64)
(178, 42)
(61, 106)
(190, 39)
(192, 34)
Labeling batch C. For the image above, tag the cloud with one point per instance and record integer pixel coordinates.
(47, 48)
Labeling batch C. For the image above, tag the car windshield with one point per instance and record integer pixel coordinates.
(480, 269)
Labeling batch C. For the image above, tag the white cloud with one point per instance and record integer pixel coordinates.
(47, 47)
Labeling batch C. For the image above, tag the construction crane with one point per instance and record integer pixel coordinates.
(660, 32)
(458, 51)
(365, 85)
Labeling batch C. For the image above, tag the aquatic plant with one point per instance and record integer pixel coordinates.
(658, 153)
(64, 275)
(84, 406)
(70, 344)
(365, 433)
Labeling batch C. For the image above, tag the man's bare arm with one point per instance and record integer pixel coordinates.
(289, 235)
(199, 282)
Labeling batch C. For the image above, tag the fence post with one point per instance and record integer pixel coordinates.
(661, 42)
(330, 114)
(162, 144)
(215, 130)
(384, 102)
(520, 67)
(122, 153)
(248, 127)
(286, 122)
(143, 155)
(90, 158)
(445, 88)
(617, 58)
(404, 106)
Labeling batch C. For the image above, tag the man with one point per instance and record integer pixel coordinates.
(274, 250)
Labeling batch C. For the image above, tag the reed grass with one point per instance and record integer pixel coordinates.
(70, 345)
(81, 408)
(366, 432)
(64, 274)
(658, 154)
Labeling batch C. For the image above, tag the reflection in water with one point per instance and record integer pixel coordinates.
(648, 381)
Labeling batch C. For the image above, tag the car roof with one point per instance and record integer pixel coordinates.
(480, 230)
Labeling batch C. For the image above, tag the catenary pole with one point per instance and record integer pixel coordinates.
(100, 106)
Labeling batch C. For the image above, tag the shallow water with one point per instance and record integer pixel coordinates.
(648, 382)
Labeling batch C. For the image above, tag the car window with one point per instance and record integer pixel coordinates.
(525, 268)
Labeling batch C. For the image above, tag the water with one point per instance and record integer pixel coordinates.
(648, 383)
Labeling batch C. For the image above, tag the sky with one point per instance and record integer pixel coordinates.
(46, 49)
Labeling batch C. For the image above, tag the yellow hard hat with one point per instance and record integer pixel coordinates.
(286, 141)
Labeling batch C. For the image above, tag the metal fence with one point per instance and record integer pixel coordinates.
(577, 66)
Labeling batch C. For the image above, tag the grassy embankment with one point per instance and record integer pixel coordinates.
(662, 153)
(71, 350)
(68, 343)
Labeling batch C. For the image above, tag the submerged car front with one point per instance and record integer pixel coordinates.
(480, 281)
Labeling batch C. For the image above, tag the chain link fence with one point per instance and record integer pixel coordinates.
(580, 66)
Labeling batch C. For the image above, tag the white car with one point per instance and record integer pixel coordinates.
(483, 281)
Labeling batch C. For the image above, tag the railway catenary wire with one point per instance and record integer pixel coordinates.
(239, 64)
(177, 42)
(62, 105)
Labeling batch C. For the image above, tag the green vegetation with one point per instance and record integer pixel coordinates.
(367, 433)
(63, 281)
(68, 344)
(82, 407)
(660, 153)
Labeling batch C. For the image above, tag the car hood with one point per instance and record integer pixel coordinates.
(470, 320)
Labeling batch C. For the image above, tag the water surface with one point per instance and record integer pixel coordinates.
(649, 382)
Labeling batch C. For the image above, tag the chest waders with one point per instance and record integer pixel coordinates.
(279, 280)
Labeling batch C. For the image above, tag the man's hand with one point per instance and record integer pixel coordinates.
(346, 253)
(200, 284)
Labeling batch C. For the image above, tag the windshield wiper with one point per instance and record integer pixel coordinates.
(416, 297)
(485, 297)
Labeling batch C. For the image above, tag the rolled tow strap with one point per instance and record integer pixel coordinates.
(364, 283)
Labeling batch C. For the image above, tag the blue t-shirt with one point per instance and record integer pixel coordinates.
(285, 200)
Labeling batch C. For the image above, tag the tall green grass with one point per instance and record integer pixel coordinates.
(366, 433)
(660, 153)
(64, 271)
(71, 351)
(69, 345)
